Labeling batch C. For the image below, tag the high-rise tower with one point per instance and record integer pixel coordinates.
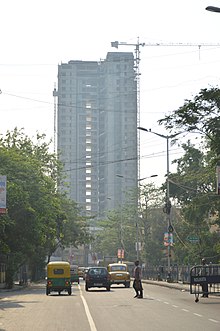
(97, 130)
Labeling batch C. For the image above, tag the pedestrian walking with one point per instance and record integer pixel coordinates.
(137, 284)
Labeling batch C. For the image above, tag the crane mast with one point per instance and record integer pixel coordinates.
(137, 77)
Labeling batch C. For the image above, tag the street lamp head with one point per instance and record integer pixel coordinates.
(114, 44)
(140, 179)
(141, 128)
(213, 9)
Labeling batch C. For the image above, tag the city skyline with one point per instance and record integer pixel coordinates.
(37, 37)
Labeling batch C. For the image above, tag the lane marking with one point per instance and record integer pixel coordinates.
(186, 310)
(167, 303)
(197, 314)
(175, 306)
(89, 316)
(211, 320)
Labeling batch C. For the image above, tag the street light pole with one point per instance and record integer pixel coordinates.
(167, 208)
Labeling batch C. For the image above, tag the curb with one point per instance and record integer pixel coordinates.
(176, 286)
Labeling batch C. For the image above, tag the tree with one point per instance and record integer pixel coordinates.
(152, 224)
(200, 115)
(193, 185)
(39, 217)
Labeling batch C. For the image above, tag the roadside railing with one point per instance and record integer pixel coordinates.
(179, 273)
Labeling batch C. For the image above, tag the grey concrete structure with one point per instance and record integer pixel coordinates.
(97, 131)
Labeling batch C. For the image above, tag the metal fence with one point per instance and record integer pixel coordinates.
(178, 273)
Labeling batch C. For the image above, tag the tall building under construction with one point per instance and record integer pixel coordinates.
(97, 131)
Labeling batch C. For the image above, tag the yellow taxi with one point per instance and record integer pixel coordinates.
(119, 274)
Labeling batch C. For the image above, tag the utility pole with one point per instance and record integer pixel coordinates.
(167, 208)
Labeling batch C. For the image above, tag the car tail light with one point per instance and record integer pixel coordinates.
(49, 282)
(87, 277)
(109, 277)
(67, 282)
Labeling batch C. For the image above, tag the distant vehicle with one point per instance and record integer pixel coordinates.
(97, 277)
(74, 272)
(119, 274)
(85, 272)
(81, 271)
(58, 277)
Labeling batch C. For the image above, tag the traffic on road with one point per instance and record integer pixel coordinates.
(162, 308)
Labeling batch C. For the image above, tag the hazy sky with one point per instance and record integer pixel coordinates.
(38, 35)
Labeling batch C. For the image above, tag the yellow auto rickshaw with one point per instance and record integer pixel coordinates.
(58, 277)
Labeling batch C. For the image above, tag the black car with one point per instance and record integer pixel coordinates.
(97, 277)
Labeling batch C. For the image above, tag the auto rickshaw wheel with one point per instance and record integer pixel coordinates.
(86, 287)
(69, 291)
(47, 291)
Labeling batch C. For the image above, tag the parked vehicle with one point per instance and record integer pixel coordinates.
(74, 272)
(58, 277)
(119, 274)
(97, 277)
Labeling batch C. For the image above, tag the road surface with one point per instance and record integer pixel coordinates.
(162, 309)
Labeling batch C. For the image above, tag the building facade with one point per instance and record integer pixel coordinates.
(97, 131)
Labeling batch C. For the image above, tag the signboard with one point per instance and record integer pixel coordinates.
(194, 239)
(2, 194)
(121, 253)
(168, 239)
(138, 246)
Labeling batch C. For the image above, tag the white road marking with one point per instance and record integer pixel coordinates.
(187, 311)
(197, 314)
(211, 320)
(89, 316)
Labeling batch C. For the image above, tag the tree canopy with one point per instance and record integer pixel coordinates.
(193, 185)
(39, 217)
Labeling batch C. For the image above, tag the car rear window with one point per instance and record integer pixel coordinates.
(97, 271)
(118, 268)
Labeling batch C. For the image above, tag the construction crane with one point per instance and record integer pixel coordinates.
(137, 74)
(137, 45)
(55, 95)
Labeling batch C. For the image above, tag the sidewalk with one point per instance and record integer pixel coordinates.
(16, 287)
(176, 286)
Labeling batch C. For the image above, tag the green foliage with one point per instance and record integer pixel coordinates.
(119, 229)
(39, 218)
(193, 186)
(200, 115)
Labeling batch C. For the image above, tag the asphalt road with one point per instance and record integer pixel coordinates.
(98, 310)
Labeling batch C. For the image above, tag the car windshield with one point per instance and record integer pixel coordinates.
(118, 268)
(97, 271)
